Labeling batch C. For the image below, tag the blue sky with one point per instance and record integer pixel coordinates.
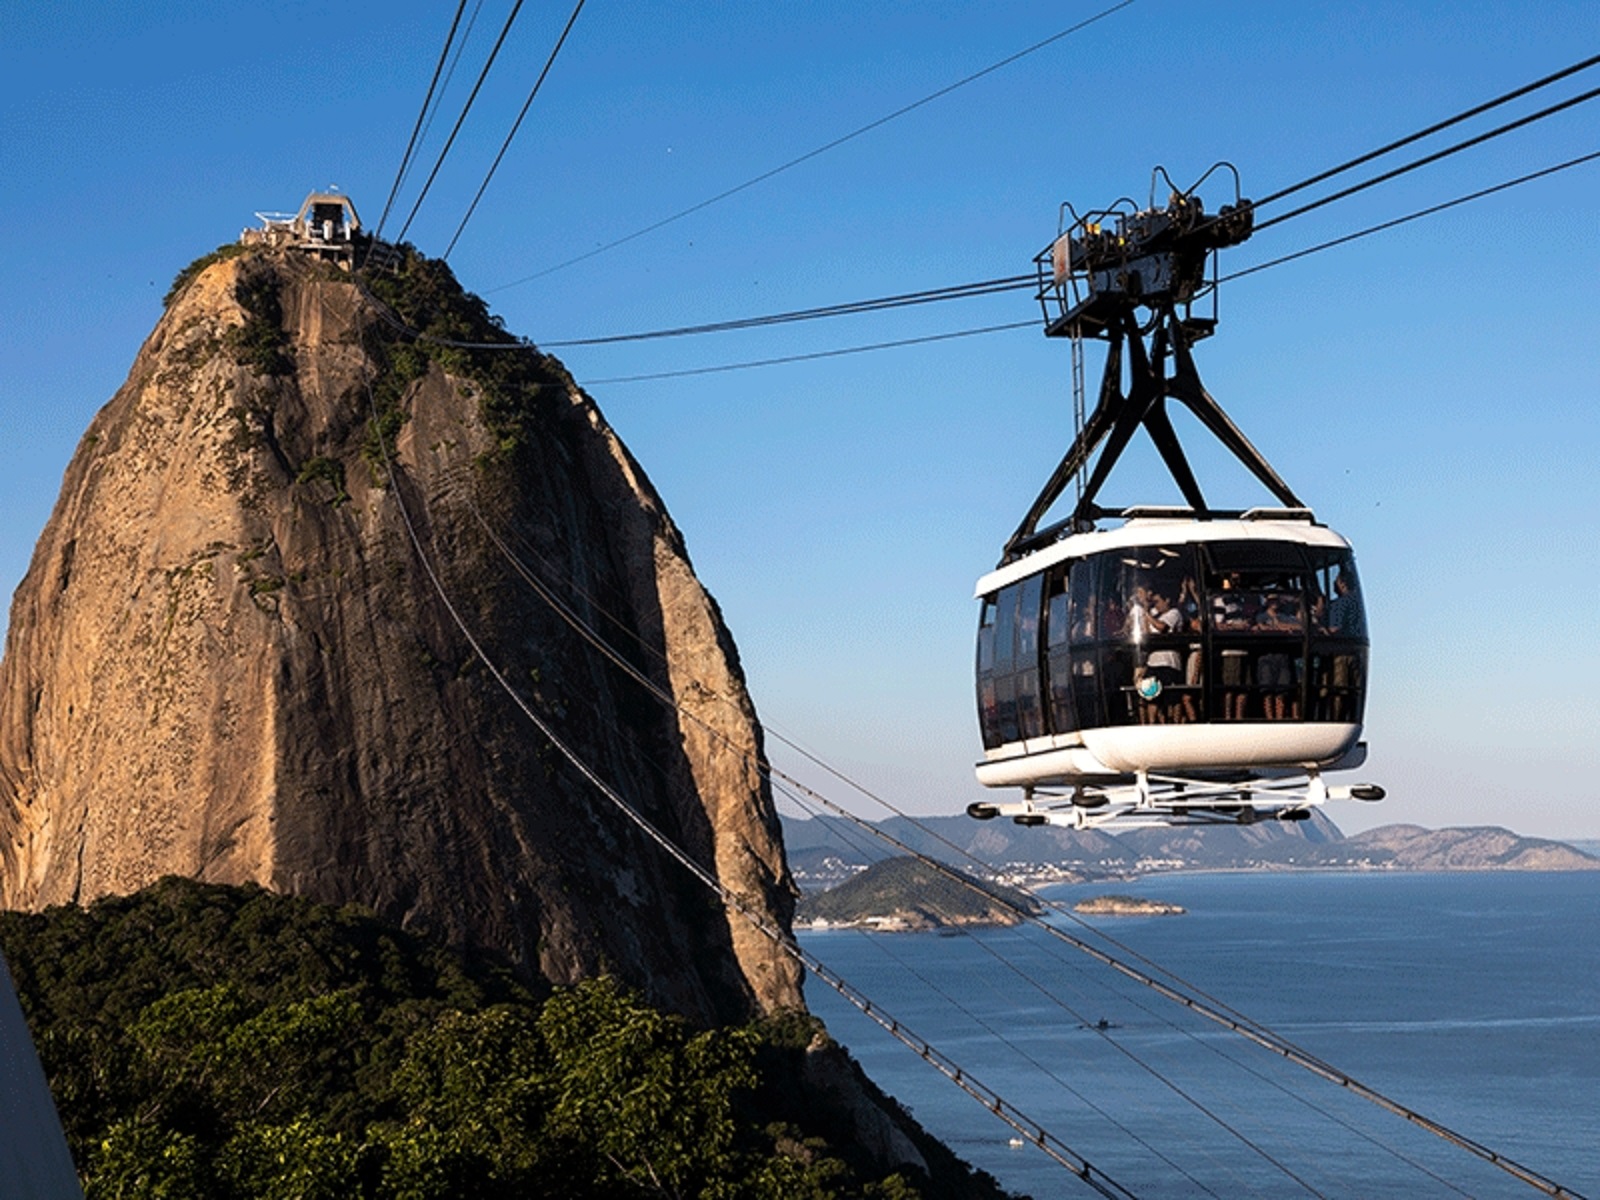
(1430, 391)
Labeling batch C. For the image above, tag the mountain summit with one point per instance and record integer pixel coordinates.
(228, 661)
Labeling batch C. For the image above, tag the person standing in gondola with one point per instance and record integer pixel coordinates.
(1346, 619)
(1345, 616)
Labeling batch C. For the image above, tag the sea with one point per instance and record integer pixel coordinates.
(1471, 999)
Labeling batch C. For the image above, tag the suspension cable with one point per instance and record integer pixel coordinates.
(799, 795)
(1240, 274)
(812, 355)
(1428, 159)
(1421, 212)
(461, 120)
(449, 74)
(515, 125)
(1437, 127)
(416, 130)
(810, 154)
(934, 295)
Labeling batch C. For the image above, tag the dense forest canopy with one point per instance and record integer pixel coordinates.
(223, 1042)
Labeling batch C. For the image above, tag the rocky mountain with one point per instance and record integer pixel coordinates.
(1478, 848)
(906, 893)
(229, 661)
(824, 851)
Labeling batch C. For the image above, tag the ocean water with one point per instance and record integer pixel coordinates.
(1470, 998)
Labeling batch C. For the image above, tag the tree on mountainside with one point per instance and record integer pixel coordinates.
(226, 1043)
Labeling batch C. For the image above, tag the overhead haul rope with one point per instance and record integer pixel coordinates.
(1429, 159)
(1034, 1132)
(1360, 160)
(814, 802)
(1196, 1001)
(985, 329)
(1421, 212)
(1020, 282)
(450, 73)
(909, 299)
(1351, 1128)
(416, 130)
(880, 943)
(815, 354)
(515, 125)
(1438, 127)
(461, 120)
(823, 149)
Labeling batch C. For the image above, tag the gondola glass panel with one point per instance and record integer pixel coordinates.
(1257, 596)
(1058, 653)
(988, 701)
(1084, 640)
(1183, 633)
(1030, 713)
(1147, 638)
(1337, 683)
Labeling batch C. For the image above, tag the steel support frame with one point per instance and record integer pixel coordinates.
(1119, 412)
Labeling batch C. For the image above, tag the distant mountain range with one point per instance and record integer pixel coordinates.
(825, 851)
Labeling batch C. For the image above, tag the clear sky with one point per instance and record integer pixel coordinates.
(1430, 391)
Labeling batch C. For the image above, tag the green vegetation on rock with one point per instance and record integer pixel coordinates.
(260, 342)
(514, 384)
(225, 1042)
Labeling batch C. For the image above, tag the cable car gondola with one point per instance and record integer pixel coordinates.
(1187, 664)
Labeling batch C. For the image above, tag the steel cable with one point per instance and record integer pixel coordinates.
(1197, 1002)
(809, 155)
(515, 125)
(416, 130)
(461, 120)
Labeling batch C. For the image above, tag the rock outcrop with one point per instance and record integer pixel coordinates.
(229, 661)
(1466, 848)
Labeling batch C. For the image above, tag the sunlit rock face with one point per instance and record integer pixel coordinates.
(228, 660)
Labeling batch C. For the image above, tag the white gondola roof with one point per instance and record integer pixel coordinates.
(1266, 524)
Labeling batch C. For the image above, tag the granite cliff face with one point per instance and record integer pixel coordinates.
(228, 662)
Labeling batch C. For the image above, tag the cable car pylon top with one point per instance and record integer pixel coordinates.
(1133, 278)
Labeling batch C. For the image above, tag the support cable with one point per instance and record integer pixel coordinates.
(880, 943)
(515, 125)
(416, 130)
(466, 108)
(1437, 127)
(1240, 274)
(1291, 189)
(812, 355)
(810, 154)
(1034, 1132)
(450, 73)
(1427, 159)
(1421, 212)
(860, 843)
(910, 299)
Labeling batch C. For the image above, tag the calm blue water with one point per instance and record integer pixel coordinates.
(1472, 998)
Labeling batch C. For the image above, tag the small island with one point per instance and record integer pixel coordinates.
(906, 894)
(1126, 906)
